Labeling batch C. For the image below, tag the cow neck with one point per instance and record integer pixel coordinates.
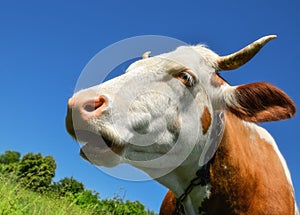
(202, 175)
(202, 179)
(190, 183)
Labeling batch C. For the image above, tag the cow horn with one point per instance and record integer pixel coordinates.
(146, 55)
(239, 58)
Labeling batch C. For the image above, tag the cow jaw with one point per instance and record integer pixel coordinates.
(100, 145)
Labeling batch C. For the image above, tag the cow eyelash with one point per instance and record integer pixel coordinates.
(186, 78)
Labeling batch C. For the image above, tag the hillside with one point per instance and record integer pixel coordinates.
(16, 200)
(27, 187)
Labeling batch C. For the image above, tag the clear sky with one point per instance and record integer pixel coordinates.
(44, 45)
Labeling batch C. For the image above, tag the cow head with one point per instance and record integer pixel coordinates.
(166, 110)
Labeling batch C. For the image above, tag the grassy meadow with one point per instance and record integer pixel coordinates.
(16, 200)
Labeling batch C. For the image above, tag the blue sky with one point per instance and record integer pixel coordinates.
(44, 45)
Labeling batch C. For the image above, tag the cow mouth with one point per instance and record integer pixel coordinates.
(98, 142)
(90, 138)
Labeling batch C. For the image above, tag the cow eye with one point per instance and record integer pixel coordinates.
(186, 78)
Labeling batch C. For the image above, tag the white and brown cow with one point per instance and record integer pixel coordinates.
(175, 118)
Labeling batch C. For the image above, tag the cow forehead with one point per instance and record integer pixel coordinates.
(184, 57)
(192, 56)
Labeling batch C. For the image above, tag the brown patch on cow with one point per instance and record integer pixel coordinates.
(216, 80)
(168, 206)
(262, 102)
(247, 178)
(205, 120)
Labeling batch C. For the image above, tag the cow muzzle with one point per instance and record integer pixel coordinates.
(98, 145)
(82, 108)
(88, 109)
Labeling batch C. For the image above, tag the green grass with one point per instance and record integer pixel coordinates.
(15, 200)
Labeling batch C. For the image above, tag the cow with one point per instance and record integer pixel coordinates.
(174, 117)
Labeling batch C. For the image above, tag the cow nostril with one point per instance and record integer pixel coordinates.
(90, 107)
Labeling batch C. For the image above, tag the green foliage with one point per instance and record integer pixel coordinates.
(117, 206)
(8, 168)
(67, 196)
(36, 172)
(86, 199)
(67, 186)
(16, 200)
(10, 157)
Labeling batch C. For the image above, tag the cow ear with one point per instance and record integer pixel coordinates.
(259, 102)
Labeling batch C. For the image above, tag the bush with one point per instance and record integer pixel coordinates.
(36, 172)
(86, 199)
(10, 157)
(67, 186)
(117, 206)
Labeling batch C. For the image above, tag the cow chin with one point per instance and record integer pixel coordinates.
(97, 156)
(102, 148)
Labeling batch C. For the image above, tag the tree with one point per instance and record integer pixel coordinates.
(67, 186)
(86, 199)
(36, 172)
(9, 161)
(118, 206)
(10, 157)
